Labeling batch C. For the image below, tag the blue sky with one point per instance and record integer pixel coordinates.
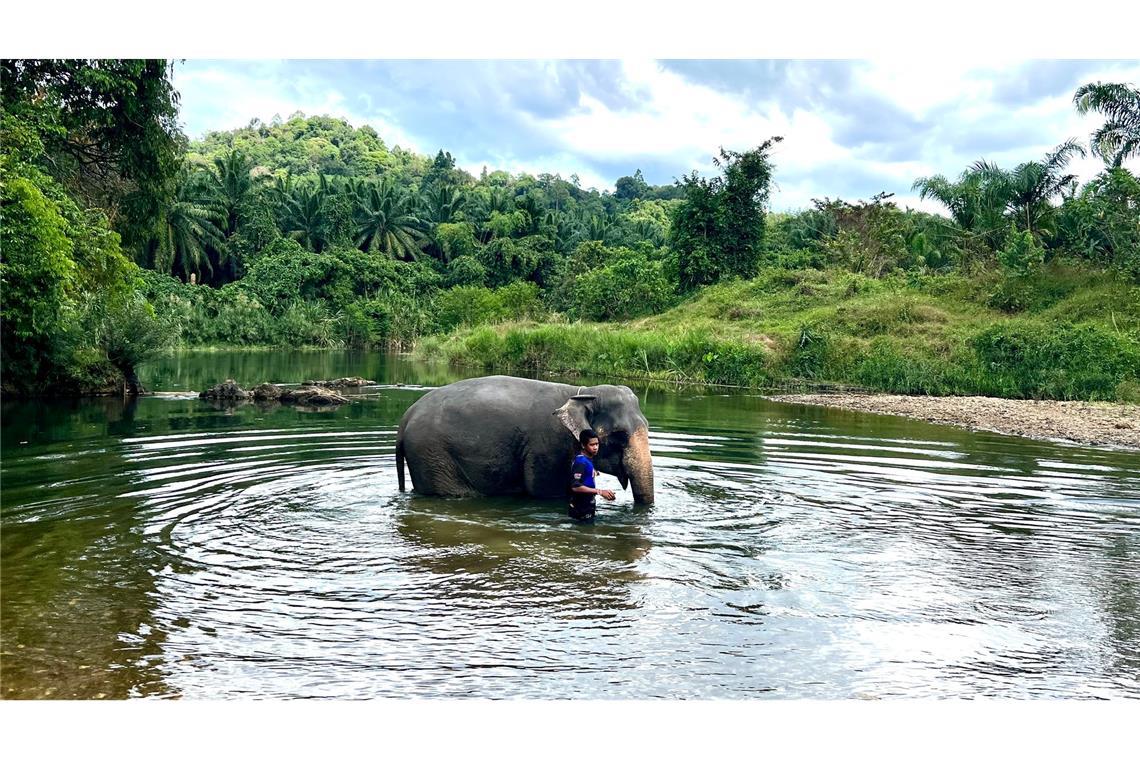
(851, 128)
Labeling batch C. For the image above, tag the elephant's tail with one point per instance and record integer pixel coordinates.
(400, 461)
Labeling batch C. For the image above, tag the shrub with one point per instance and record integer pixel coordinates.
(470, 305)
(630, 286)
(465, 270)
(1049, 360)
(308, 323)
(1022, 254)
(36, 275)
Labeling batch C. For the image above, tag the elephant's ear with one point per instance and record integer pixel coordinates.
(573, 414)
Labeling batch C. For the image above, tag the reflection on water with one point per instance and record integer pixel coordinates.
(170, 548)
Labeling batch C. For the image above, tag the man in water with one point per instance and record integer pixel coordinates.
(582, 490)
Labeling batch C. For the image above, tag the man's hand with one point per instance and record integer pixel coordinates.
(606, 494)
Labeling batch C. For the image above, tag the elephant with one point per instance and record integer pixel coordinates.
(500, 435)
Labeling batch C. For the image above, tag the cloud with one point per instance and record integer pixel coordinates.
(851, 129)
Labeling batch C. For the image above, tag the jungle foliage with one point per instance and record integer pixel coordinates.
(121, 238)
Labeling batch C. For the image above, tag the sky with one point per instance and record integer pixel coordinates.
(851, 128)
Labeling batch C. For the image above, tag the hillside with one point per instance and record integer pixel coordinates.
(923, 334)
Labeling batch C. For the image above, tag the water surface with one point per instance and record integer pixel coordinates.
(170, 547)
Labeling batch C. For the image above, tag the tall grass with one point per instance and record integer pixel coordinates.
(903, 334)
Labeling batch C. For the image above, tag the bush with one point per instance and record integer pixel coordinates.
(127, 332)
(308, 323)
(470, 305)
(1048, 360)
(1021, 254)
(230, 315)
(465, 270)
(631, 285)
(36, 276)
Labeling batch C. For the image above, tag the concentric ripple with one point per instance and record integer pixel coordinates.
(170, 548)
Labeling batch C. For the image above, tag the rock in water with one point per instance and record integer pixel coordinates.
(266, 392)
(312, 395)
(342, 382)
(229, 390)
(306, 395)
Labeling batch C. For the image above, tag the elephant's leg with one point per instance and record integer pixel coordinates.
(440, 476)
(545, 475)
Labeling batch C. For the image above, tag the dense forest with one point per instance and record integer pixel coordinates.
(122, 239)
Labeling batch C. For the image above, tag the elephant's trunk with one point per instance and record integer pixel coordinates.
(639, 466)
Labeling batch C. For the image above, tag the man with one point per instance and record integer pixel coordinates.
(582, 490)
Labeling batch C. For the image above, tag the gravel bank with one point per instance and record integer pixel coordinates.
(1090, 423)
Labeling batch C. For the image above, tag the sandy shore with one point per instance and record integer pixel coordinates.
(1090, 423)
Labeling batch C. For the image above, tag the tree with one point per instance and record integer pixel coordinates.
(963, 199)
(37, 275)
(442, 203)
(977, 204)
(304, 216)
(58, 261)
(599, 228)
(444, 172)
(109, 130)
(233, 185)
(387, 222)
(1028, 187)
(718, 231)
(492, 199)
(630, 188)
(1118, 138)
(189, 227)
(1102, 222)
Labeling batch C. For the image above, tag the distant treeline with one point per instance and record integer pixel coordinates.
(121, 238)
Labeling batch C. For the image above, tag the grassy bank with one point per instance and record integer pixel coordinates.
(1064, 333)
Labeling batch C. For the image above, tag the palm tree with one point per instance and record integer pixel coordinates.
(387, 221)
(496, 198)
(598, 228)
(441, 203)
(1028, 188)
(233, 184)
(533, 209)
(304, 217)
(189, 229)
(964, 198)
(1119, 138)
(563, 229)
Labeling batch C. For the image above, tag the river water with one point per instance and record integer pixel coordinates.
(170, 547)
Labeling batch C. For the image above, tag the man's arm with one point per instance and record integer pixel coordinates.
(605, 493)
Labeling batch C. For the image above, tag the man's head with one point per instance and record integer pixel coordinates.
(589, 441)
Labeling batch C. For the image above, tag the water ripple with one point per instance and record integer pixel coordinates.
(823, 556)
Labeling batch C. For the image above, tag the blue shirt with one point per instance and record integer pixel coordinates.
(581, 474)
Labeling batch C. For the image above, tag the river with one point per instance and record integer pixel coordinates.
(171, 547)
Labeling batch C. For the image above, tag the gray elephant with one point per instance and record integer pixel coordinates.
(510, 435)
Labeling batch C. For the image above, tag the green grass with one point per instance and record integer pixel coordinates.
(1078, 337)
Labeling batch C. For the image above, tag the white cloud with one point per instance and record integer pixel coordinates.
(223, 95)
(686, 123)
(918, 86)
(679, 123)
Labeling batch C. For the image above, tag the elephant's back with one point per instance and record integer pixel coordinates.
(495, 394)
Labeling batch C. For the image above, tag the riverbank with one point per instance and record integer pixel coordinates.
(930, 335)
(1088, 423)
